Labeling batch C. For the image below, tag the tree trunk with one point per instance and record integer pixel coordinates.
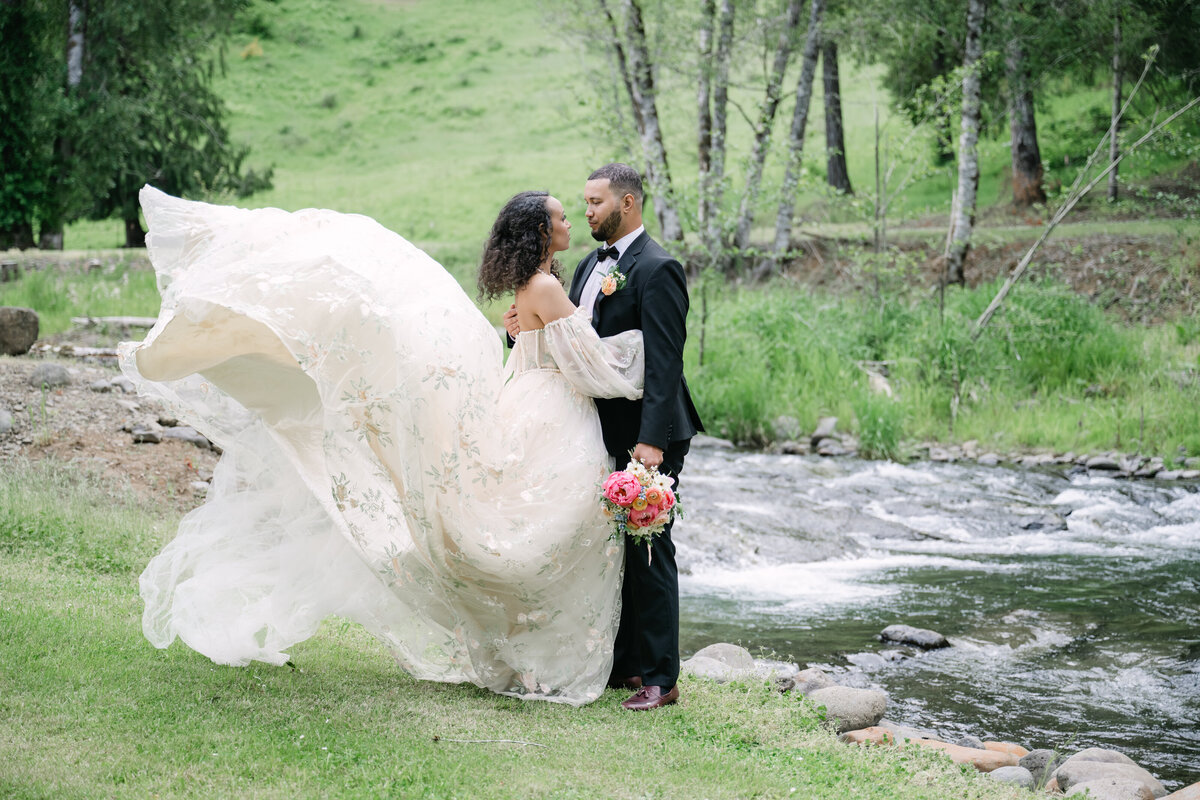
(1026, 157)
(1114, 146)
(17, 236)
(963, 220)
(762, 131)
(50, 229)
(791, 177)
(720, 104)
(835, 140)
(642, 86)
(704, 113)
(134, 235)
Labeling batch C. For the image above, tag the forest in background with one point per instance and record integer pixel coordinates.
(428, 116)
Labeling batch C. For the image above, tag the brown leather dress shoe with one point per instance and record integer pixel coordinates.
(650, 697)
(632, 682)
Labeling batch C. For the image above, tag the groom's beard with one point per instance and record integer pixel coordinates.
(608, 227)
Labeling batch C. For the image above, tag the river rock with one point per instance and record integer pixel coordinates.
(1042, 763)
(186, 434)
(902, 732)
(102, 385)
(872, 735)
(920, 637)
(1006, 747)
(1044, 522)
(704, 440)
(811, 679)
(18, 330)
(794, 448)
(787, 428)
(776, 671)
(989, 460)
(970, 741)
(1111, 789)
(1190, 474)
(124, 384)
(1102, 462)
(1168, 475)
(1096, 764)
(982, 760)
(6, 421)
(730, 654)
(49, 375)
(825, 428)
(831, 447)
(1186, 793)
(850, 709)
(1014, 776)
(867, 661)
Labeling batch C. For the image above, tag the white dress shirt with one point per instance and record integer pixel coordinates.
(591, 288)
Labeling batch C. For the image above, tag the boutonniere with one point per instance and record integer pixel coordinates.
(612, 280)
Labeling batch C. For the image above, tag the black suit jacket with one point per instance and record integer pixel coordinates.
(654, 300)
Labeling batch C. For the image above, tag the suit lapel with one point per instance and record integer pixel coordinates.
(626, 264)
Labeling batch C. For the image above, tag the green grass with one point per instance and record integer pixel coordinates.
(428, 115)
(122, 286)
(91, 709)
(1052, 371)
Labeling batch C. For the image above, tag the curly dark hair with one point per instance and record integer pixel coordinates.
(518, 244)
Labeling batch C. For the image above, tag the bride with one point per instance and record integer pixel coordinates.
(380, 460)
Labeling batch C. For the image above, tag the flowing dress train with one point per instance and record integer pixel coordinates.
(380, 460)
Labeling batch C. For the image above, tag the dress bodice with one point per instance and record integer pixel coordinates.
(531, 353)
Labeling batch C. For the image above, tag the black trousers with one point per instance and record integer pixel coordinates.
(647, 643)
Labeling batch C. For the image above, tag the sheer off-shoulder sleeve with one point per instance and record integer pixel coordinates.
(614, 366)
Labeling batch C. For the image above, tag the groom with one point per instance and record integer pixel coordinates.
(658, 428)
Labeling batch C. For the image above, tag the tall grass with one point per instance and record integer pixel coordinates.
(1052, 371)
(57, 294)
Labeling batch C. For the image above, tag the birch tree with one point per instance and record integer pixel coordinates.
(637, 74)
(962, 221)
(791, 176)
(764, 123)
(713, 101)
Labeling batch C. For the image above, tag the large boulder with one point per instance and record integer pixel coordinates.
(920, 637)
(1042, 763)
(1096, 764)
(982, 760)
(1111, 789)
(1014, 776)
(18, 330)
(720, 662)
(811, 679)
(850, 709)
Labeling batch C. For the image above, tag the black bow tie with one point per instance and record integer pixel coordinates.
(607, 252)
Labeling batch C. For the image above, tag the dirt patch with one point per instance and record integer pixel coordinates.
(76, 423)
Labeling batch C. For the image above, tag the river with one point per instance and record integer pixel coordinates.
(1072, 601)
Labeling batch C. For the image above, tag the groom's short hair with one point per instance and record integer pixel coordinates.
(622, 178)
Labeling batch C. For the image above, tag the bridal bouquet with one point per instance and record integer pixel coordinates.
(639, 501)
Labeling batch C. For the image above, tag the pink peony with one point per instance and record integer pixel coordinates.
(664, 516)
(643, 518)
(622, 488)
(668, 500)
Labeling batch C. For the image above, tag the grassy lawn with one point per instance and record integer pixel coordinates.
(91, 709)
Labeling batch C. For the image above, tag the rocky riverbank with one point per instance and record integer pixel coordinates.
(858, 715)
(826, 440)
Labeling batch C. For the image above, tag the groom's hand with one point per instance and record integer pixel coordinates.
(648, 454)
(510, 321)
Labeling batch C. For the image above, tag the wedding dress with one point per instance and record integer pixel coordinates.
(380, 461)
